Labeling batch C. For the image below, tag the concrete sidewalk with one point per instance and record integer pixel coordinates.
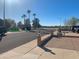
(21, 51)
(56, 48)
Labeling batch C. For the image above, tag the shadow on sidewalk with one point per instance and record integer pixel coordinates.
(42, 46)
(47, 50)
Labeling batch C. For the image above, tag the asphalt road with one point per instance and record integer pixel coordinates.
(14, 40)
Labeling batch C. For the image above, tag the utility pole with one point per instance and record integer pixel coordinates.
(4, 12)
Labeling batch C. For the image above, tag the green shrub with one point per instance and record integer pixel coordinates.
(14, 30)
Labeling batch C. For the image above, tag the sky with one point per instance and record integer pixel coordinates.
(49, 12)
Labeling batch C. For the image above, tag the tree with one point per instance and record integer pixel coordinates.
(24, 17)
(13, 24)
(27, 24)
(27, 21)
(29, 11)
(20, 25)
(34, 15)
(9, 23)
(36, 23)
(72, 22)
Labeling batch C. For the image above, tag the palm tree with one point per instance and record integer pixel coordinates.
(29, 11)
(34, 14)
(24, 16)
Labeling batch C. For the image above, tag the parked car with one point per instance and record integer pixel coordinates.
(75, 29)
(3, 30)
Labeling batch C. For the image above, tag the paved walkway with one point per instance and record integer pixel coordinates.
(56, 48)
(64, 48)
(23, 52)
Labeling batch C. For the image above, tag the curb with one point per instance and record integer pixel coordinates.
(44, 40)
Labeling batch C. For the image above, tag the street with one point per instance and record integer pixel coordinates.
(14, 40)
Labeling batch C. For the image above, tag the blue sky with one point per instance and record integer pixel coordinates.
(50, 12)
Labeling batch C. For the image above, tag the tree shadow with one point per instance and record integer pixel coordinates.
(42, 46)
(46, 49)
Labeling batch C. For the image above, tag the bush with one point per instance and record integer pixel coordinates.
(14, 30)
